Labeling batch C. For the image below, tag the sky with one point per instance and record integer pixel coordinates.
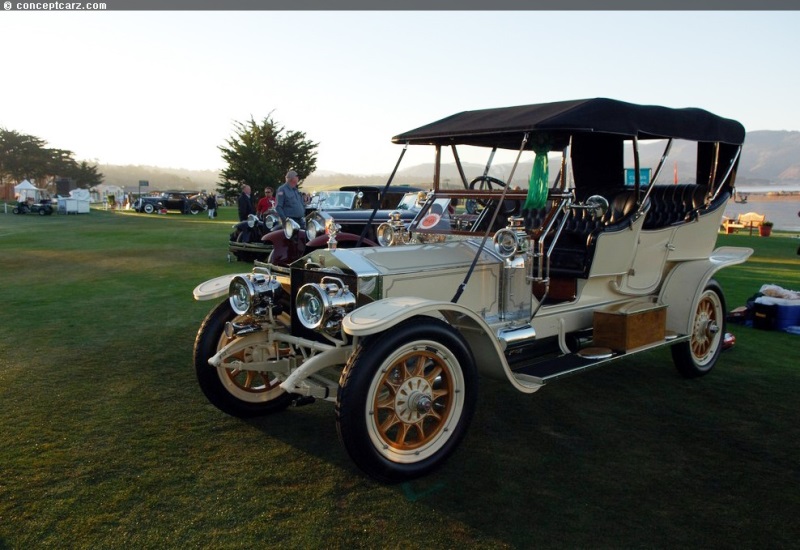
(166, 88)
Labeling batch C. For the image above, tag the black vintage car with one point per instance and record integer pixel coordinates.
(185, 202)
(360, 197)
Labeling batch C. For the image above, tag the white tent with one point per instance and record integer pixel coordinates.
(26, 190)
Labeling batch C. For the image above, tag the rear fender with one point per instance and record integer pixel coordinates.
(694, 275)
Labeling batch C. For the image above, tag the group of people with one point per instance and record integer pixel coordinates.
(288, 202)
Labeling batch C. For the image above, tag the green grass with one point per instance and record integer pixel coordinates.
(108, 442)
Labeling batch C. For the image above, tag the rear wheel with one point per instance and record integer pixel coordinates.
(406, 399)
(699, 355)
(238, 392)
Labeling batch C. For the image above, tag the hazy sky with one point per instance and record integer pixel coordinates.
(165, 88)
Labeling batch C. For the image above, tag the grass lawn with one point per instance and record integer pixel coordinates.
(108, 442)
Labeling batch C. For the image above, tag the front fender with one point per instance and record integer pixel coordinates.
(382, 315)
(285, 251)
(214, 288)
(694, 275)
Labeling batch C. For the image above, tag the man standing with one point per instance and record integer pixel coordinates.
(245, 204)
(211, 204)
(290, 200)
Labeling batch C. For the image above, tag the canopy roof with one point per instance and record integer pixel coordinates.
(25, 185)
(503, 127)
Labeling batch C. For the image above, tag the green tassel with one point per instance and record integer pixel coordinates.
(537, 185)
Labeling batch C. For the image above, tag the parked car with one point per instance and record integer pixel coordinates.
(185, 202)
(366, 221)
(360, 197)
(525, 286)
(268, 240)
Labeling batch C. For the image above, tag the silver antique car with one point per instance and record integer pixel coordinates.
(594, 264)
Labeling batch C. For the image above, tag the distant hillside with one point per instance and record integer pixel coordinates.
(159, 178)
(769, 157)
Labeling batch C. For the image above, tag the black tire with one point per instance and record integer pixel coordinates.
(195, 209)
(148, 208)
(699, 355)
(42, 212)
(237, 392)
(406, 399)
(15, 210)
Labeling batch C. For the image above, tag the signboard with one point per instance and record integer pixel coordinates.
(644, 176)
(143, 183)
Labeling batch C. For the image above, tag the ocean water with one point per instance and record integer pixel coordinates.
(781, 212)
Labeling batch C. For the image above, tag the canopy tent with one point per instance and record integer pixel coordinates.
(26, 190)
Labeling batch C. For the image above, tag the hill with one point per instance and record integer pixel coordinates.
(159, 178)
(769, 157)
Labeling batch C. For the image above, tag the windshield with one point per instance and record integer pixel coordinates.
(412, 201)
(336, 200)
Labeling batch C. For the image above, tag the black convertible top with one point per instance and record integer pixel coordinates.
(503, 127)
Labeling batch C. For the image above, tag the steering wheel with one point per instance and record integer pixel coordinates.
(485, 183)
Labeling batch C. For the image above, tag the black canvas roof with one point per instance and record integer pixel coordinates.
(503, 127)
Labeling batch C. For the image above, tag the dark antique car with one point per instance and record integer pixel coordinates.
(360, 197)
(525, 286)
(256, 239)
(185, 202)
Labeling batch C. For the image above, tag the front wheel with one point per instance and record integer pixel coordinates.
(148, 208)
(699, 355)
(406, 398)
(238, 392)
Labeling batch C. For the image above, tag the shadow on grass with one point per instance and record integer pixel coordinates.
(627, 456)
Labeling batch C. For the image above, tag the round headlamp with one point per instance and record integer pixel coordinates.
(272, 221)
(253, 294)
(392, 232)
(385, 234)
(507, 243)
(323, 306)
(314, 228)
(290, 227)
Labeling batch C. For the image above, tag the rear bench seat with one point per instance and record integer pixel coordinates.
(668, 205)
(677, 204)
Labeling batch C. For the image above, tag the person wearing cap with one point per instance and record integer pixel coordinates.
(290, 202)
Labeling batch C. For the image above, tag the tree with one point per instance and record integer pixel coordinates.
(27, 157)
(85, 175)
(21, 156)
(260, 154)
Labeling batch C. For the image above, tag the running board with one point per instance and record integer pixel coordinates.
(540, 372)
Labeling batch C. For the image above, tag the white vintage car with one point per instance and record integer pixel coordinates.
(596, 263)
